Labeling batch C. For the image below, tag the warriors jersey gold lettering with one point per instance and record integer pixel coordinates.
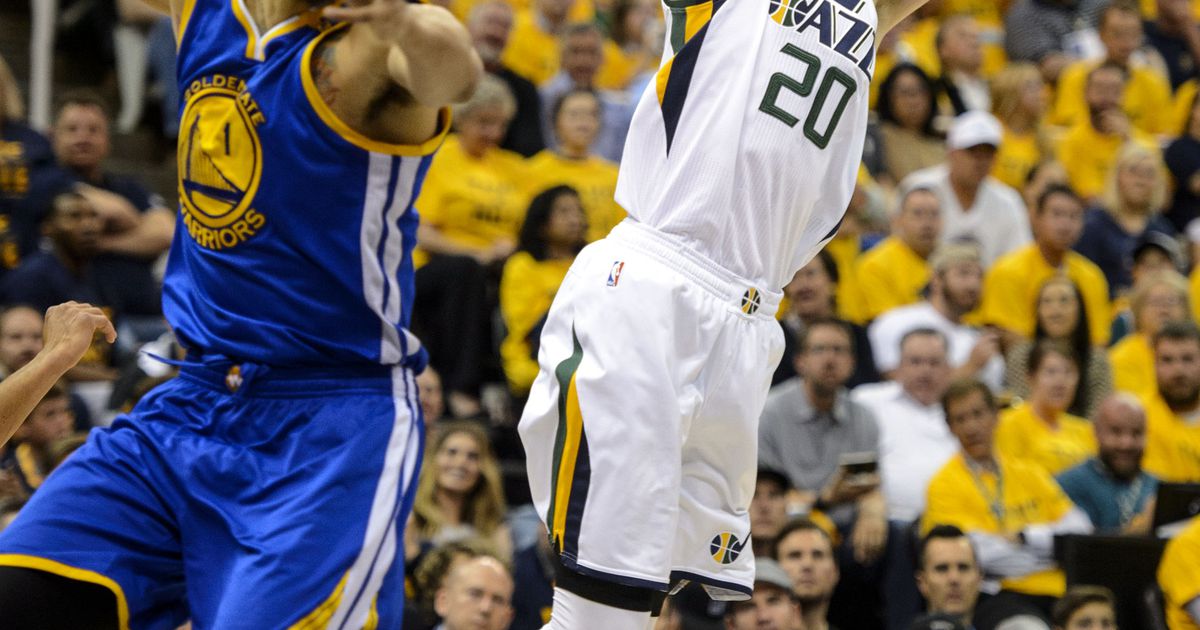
(747, 144)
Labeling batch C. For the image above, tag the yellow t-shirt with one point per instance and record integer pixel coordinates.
(890, 275)
(1011, 287)
(1194, 292)
(620, 67)
(531, 52)
(920, 41)
(1147, 98)
(1172, 444)
(474, 202)
(1028, 496)
(845, 251)
(1132, 361)
(1088, 155)
(527, 288)
(1179, 576)
(1150, 12)
(594, 178)
(1017, 155)
(1021, 434)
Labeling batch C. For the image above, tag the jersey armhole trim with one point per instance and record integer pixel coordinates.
(348, 134)
(72, 573)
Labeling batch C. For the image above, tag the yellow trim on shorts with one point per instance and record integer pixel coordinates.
(323, 613)
(72, 573)
(185, 15)
(566, 467)
(350, 135)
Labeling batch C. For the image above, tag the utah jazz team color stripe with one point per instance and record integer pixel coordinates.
(572, 468)
(689, 25)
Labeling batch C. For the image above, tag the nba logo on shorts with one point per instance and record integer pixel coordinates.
(725, 548)
(614, 274)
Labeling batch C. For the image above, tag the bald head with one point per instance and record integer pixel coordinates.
(477, 594)
(1120, 426)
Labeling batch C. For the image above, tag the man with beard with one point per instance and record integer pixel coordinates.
(1173, 411)
(896, 270)
(805, 552)
(955, 287)
(1011, 288)
(1112, 487)
(490, 25)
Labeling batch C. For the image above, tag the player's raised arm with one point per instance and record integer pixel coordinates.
(426, 51)
(892, 12)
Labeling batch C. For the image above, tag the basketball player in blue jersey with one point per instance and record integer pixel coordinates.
(655, 359)
(267, 485)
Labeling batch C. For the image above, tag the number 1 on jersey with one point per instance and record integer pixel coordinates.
(780, 81)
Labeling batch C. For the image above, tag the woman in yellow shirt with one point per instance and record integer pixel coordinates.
(1159, 298)
(1019, 102)
(1040, 429)
(551, 237)
(626, 53)
(577, 120)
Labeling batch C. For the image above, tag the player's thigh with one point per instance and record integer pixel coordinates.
(310, 529)
(720, 460)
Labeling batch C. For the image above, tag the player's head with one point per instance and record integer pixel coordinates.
(768, 507)
(971, 148)
(958, 44)
(1177, 364)
(956, 283)
(476, 595)
(490, 24)
(73, 225)
(971, 410)
(771, 607)
(948, 571)
(577, 117)
(805, 551)
(918, 220)
(1057, 221)
(1120, 427)
(1105, 87)
(924, 369)
(483, 120)
(826, 355)
(20, 336)
(50, 421)
(813, 289)
(1157, 299)
(1120, 30)
(460, 466)
(80, 132)
(582, 46)
(555, 224)
(1085, 608)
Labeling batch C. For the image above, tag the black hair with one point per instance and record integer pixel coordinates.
(1080, 341)
(531, 238)
(884, 105)
(941, 532)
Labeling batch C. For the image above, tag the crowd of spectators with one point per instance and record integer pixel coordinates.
(999, 346)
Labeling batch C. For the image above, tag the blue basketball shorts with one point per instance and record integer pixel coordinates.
(240, 497)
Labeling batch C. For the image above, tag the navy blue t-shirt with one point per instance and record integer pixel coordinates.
(1107, 244)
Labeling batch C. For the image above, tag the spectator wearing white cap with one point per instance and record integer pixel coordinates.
(976, 207)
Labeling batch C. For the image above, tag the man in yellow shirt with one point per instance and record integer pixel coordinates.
(1011, 509)
(1011, 287)
(1173, 409)
(1146, 99)
(1089, 148)
(1179, 578)
(895, 272)
(533, 47)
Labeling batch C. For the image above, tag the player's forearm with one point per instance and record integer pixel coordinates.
(24, 389)
(432, 57)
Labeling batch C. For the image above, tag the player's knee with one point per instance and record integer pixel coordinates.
(608, 592)
(37, 600)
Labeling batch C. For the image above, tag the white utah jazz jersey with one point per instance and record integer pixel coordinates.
(748, 143)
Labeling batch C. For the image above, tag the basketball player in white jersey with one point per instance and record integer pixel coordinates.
(641, 428)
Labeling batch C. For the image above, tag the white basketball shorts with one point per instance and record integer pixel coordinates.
(641, 430)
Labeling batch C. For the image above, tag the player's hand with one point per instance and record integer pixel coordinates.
(69, 330)
(387, 18)
(868, 537)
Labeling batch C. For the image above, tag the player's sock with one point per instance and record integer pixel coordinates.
(574, 612)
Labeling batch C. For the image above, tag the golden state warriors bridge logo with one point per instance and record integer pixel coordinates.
(725, 547)
(220, 162)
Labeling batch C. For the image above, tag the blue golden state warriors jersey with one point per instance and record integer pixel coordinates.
(221, 36)
(296, 232)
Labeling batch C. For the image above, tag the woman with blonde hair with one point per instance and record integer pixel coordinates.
(459, 494)
(1158, 298)
(1019, 102)
(1134, 196)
